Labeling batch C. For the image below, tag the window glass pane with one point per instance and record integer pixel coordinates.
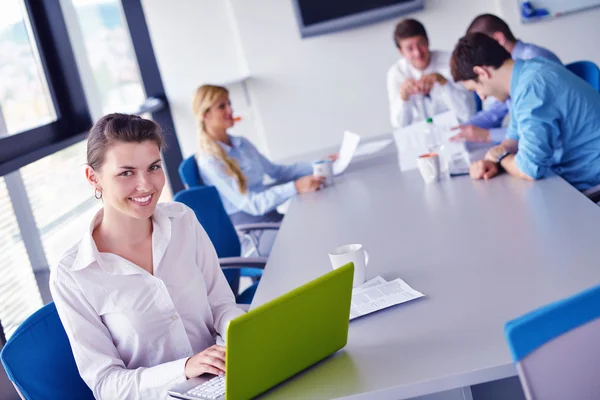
(110, 56)
(61, 198)
(25, 100)
(19, 294)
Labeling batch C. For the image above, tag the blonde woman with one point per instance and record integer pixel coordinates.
(236, 168)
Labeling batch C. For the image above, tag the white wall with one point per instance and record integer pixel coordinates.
(305, 93)
(572, 37)
(195, 42)
(309, 91)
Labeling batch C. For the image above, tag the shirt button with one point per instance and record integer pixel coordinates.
(174, 317)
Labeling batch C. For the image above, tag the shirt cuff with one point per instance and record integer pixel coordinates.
(530, 168)
(165, 375)
(497, 135)
(226, 318)
(289, 189)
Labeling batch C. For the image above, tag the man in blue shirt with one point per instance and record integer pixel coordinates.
(554, 118)
(485, 126)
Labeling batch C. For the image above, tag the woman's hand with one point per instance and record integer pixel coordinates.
(309, 183)
(209, 361)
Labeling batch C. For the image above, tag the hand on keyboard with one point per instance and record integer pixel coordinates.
(211, 361)
(209, 390)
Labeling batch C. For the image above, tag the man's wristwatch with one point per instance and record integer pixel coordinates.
(500, 157)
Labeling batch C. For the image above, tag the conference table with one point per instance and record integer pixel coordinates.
(482, 252)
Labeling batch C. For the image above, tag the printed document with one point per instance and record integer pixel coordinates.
(377, 294)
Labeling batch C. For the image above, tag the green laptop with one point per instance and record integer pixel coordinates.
(277, 340)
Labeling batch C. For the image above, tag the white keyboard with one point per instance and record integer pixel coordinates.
(209, 390)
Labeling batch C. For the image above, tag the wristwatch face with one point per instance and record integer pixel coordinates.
(501, 156)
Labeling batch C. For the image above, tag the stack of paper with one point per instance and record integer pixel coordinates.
(411, 141)
(377, 294)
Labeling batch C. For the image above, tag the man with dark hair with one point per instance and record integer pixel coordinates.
(485, 126)
(419, 84)
(554, 118)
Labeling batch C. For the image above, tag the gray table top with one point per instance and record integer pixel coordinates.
(483, 253)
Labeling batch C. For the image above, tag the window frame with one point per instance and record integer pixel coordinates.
(73, 117)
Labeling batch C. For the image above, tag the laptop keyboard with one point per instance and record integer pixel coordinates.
(209, 390)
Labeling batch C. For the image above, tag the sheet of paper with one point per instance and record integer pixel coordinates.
(378, 280)
(369, 148)
(347, 149)
(375, 298)
(410, 140)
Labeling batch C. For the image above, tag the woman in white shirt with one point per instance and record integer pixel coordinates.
(420, 84)
(141, 295)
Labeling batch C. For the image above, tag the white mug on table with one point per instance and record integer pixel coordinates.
(354, 253)
(324, 168)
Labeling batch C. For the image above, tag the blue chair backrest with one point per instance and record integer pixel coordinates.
(588, 71)
(478, 103)
(208, 207)
(189, 174)
(556, 350)
(207, 204)
(39, 361)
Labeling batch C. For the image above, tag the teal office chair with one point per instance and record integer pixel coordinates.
(556, 348)
(588, 71)
(211, 214)
(39, 361)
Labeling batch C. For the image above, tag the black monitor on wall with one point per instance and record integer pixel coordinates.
(318, 17)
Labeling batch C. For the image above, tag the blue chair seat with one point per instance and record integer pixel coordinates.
(39, 361)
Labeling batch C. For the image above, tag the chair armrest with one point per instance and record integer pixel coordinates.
(242, 262)
(258, 226)
(593, 193)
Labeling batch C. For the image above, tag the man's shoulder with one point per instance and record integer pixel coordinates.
(398, 68)
(531, 50)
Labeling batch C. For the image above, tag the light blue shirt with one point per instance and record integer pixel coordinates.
(260, 197)
(555, 116)
(492, 117)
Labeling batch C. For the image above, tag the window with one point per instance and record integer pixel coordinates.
(62, 201)
(75, 56)
(25, 100)
(19, 293)
(108, 54)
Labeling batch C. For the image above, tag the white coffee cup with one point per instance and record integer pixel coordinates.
(354, 253)
(324, 168)
(429, 166)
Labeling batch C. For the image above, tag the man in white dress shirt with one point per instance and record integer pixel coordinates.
(420, 84)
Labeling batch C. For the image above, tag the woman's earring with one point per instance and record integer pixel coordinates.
(98, 193)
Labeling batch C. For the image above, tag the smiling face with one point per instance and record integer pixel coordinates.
(131, 178)
(416, 50)
(219, 116)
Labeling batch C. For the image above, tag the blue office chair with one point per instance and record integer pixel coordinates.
(478, 103)
(188, 172)
(39, 361)
(190, 176)
(588, 71)
(211, 214)
(556, 348)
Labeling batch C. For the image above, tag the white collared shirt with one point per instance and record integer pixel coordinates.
(451, 96)
(131, 332)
